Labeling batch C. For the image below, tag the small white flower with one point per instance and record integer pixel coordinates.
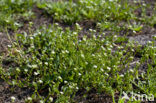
(86, 63)
(84, 39)
(102, 48)
(154, 37)
(56, 24)
(131, 70)
(26, 70)
(94, 36)
(70, 86)
(46, 63)
(9, 46)
(67, 51)
(111, 46)
(65, 82)
(77, 88)
(121, 75)
(79, 74)
(98, 24)
(13, 98)
(106, 74)
(94, 30)
(31, 38)
(17, 69)
(61, 93)
(74, 33)
(102, 70)
(53, 52)
(137, 63)
(41, 101)
(29, 99)
(149, 42)
(51, 99)
(59, 77)
(91, 30)
(63, 51)
(82, 55)
(95, 66)
(36, 73)
(75, 69)
(77, 24)
(108, 68)
(40, 81)
(34, 66)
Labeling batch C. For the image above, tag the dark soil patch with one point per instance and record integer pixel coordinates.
(3, 42)
(6, 93)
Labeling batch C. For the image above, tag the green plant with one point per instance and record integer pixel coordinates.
(57, 61)
(13, 10)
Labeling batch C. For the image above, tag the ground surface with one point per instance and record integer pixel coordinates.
(142, 38)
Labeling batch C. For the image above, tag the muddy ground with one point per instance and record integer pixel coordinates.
(142, 38)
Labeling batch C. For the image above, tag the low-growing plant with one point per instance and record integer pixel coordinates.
(56, 63)
(92, 10)
(13, 10)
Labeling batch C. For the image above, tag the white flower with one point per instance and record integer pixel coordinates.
(67, 51)
(94, 36)
(29, 99)
(46, 63)
(94, 30)
(36, 73)
(77, 88)
(131, 70)
(9, 46)
(79, 74)
(86, 63)
(61, 93)
(56, 24)
(31, 38)
(95, 66)
(137, 63)
(106, 74)
(111, 46)
(149, 42)
(26, 70)
(108, 68)
(40, 81)
(102, 69)
(74, 33)
(51, 99)
(17, 69)
(77, 24)
(75, 69)
(59, 77)
(82, 55)
(154, 37)
(13, 98)
(111, 0)
(65, 82)
(34, 66)
(84, 39)
(98, 24)
(121, 75)
(91, 30)
(41, 101)
(53, 52)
